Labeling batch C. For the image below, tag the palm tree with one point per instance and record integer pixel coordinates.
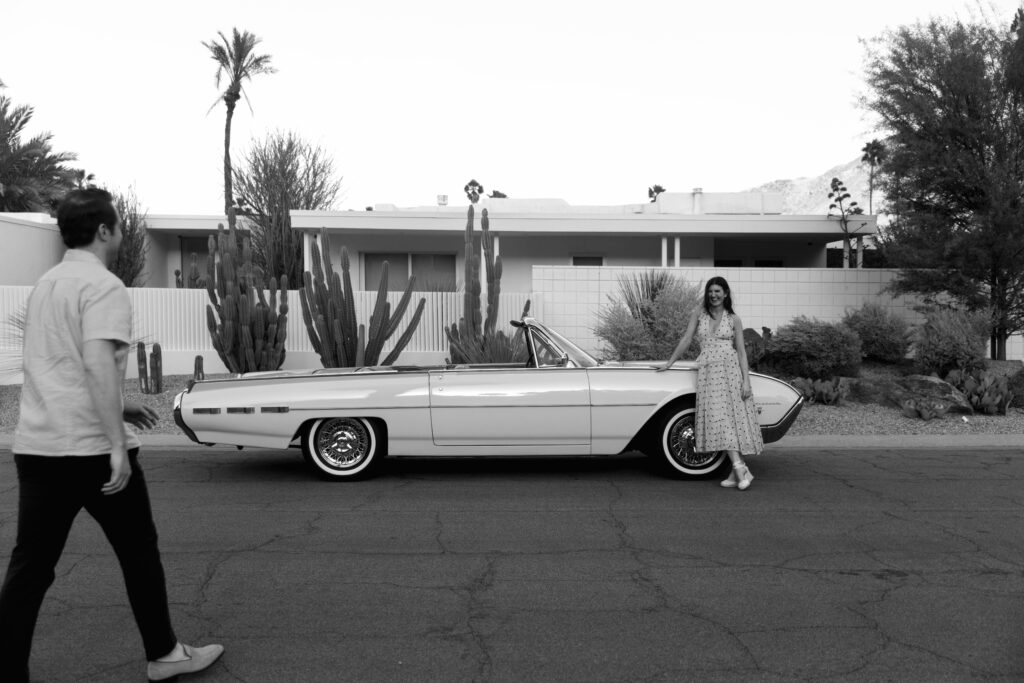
(32, 176)
(874, 153)
(236, 63)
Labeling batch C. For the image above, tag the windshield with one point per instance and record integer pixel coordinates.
(578, 356)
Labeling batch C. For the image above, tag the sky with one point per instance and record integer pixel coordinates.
(590, 101)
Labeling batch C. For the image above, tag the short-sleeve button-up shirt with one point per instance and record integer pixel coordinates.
(76, 301)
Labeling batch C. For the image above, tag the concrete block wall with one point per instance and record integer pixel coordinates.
(571, 297)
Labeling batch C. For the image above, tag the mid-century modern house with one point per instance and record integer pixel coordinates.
(690, 229)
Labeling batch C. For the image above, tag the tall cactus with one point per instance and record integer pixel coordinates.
(156, 370)
(471, 341)
(140, 356)
(328, 309)
(248, 332)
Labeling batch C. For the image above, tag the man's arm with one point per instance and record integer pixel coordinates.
(102, 380)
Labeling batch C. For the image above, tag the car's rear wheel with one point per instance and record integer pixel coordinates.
(675, 452)
(342, 448)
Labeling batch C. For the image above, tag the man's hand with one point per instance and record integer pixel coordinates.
(120, 472)
(139, 415)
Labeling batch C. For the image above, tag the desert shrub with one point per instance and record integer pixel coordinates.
(825, 391)
(988, 392)
(648, 318)
(808, 347)
(926, 409)
(950, 339)
(1015, 384)
(883, 336)
(624, 335)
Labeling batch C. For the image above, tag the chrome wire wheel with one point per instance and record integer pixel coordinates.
(677, 446)
(341, 447)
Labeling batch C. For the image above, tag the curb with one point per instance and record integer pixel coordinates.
(891, 441)
(829, 442)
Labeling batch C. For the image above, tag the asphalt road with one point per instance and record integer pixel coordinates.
(853, 565)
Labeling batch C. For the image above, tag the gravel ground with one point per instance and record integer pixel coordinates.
(847, 418)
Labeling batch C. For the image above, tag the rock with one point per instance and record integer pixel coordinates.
(893, 392)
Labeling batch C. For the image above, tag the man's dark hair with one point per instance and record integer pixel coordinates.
(82, 212)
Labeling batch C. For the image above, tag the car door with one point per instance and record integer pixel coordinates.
(544, 405)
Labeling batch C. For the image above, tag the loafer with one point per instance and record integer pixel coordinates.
(196, 659)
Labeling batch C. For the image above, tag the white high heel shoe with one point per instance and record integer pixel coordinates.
(743, 476)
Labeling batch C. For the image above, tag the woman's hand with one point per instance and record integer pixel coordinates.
(663, 368)
(746, 392)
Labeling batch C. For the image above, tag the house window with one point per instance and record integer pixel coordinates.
(728, 263)
(767, 263)
(588, 260)
(398, 271)
(434, 272)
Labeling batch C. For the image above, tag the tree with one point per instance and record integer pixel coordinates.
(83, 180)
(236, 63)
(280, 173)
(839, 196)
(131, 256)
(653, 192)
(32, 176)
(473, 190)
(950, 97)
(874, 153)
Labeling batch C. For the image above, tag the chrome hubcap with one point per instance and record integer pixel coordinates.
(343, 443)
(680, 442)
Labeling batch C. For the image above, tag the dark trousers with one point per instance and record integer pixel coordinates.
(51, 491)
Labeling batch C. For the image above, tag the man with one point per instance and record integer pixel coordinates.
(72, 449)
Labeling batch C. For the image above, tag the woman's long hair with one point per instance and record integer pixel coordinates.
(726, 303)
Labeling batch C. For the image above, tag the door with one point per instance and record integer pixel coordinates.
(480, 406)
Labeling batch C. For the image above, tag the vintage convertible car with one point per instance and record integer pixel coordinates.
(560, 401)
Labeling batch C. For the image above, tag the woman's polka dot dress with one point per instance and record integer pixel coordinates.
(725, 422)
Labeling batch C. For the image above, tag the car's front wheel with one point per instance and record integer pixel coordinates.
(675, 452)
(342, 447)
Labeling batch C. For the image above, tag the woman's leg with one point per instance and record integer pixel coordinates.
(740, 472)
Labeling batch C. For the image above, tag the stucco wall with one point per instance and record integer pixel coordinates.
(30, 247)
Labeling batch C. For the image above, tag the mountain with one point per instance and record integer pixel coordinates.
(809, 196)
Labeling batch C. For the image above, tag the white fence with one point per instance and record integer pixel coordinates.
(567, 298)
(176, 318)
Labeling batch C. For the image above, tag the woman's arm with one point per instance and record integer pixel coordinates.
(685, 342)
(741, 353)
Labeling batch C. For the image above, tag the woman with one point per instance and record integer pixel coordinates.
(726, 414)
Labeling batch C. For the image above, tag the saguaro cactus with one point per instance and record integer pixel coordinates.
(248, 332)
(328, 309)
(473, 341)
(140, 355)
(156, 370)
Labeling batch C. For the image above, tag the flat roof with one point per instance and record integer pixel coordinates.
(421, 222)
